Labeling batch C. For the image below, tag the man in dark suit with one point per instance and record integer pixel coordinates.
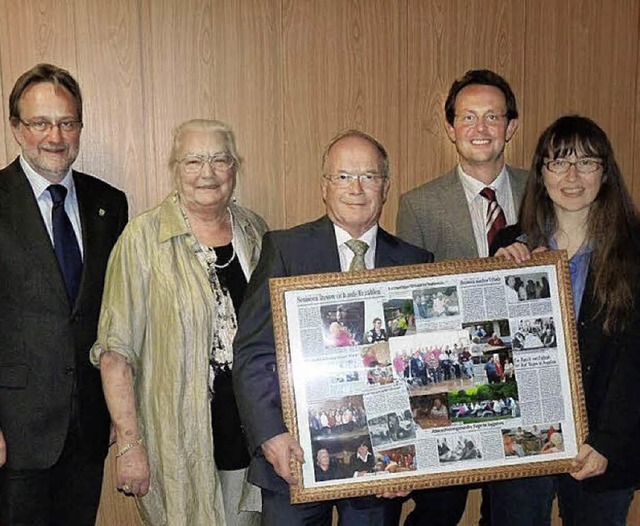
(457, 215)
(57, 228)
(354, 189)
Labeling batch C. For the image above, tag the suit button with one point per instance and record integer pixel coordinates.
(68, 370)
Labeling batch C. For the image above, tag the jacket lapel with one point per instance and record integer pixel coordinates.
(248, 242)
(518, 185)
(94, 212)
(325, 247)
(456, 210)
(24, 217)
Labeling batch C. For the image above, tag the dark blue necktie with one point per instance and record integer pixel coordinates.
(65, 242)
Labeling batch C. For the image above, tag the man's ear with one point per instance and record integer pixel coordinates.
(17, 132)
(323, 188)
(511, 129)
(385, 190)
(451, 132)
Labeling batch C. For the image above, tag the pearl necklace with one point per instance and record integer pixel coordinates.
(212, 250)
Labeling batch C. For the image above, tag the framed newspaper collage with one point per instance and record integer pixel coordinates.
(429, 375)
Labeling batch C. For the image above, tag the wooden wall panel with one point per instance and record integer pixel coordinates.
(582, 57)
(115, 508)
(33, 31)
(113, 102)
(445, 39)
(177, 55)
(247, 83)
(342, 69)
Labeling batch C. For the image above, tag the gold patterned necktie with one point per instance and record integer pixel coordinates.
(359, 249)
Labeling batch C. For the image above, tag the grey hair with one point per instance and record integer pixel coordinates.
(205, 125)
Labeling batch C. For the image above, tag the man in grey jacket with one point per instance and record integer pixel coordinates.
(481, 116)
(457, 214)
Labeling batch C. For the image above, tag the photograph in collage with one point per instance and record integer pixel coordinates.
(342, 324)
(497, 401)
(534, 333)
(527, 287)
(433, 362)
(391, 428)
(377, 363)
(532, 440)
(436, 302)
(457, 448)
(345, 458)
(430, 411)
(399, 317)
(340, 437)
(396, 460)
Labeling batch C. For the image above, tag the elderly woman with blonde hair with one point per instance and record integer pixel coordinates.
(175, 281)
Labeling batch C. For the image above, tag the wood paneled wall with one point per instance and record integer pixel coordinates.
(288, 74)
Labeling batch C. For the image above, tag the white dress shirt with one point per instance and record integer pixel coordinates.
(39, 186)
(478, 205)
(346, 254)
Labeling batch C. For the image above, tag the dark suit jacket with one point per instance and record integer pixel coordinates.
(610, 377)
(45, 341)
(436, 216)
(307, 249)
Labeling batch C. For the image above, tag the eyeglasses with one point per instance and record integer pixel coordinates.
(585, 165)
(193, 164)
(470, 119)
(344, 179)
(44, 126)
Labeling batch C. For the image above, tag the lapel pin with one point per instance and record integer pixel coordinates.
(101, 212)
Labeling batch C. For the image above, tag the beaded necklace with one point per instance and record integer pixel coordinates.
(225, 326)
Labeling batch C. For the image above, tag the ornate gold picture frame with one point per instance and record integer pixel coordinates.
(433, 375)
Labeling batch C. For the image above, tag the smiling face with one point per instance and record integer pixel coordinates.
(50, 153)
(323, 459)
(356, 207)
(572, 192)
(481, 146)
(209, 189)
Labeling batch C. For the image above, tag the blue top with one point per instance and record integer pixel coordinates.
(578, 269)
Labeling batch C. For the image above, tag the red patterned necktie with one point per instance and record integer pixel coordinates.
(495, 216)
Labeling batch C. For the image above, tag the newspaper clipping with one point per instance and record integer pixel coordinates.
(430, 375)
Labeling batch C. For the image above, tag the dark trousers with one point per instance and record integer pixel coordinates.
(528, 502)
(364, 511)
(445, 506)
(67, 494)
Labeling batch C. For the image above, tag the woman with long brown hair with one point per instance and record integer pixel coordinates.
(576, 200)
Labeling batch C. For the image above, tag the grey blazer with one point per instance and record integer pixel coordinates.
(435, 215)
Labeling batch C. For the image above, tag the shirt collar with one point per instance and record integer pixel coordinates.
(472, 187)
(585, 249)
(39, 184)
(172, 222)
(369, 237)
